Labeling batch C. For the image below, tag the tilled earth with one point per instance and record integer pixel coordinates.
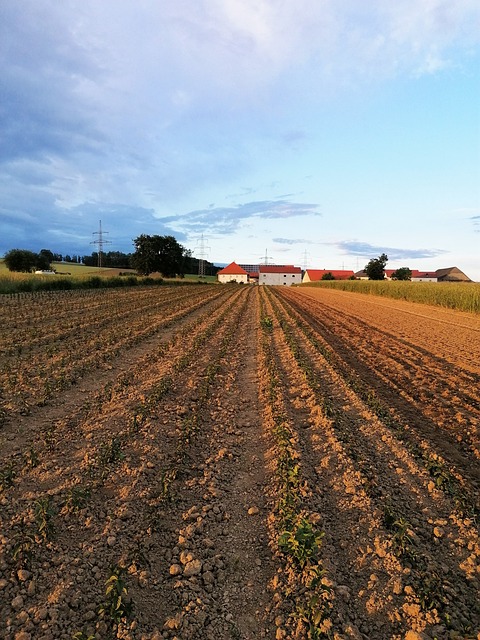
(145, 500)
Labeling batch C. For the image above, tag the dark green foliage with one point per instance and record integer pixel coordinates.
(403, 273)
(21, 260)
(375, 269)
(117, 606)
(162, 254)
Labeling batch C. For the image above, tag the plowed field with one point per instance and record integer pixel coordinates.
(237, 462)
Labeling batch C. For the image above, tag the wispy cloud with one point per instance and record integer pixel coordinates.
(291, 241)
(225, 220)
(367, 250)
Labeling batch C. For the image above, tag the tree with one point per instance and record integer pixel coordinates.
(403, 273)
(328, 276)
(44, 259)
(159, 253)
(21, 260)
(375, 269)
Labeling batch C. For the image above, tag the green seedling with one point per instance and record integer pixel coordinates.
(82, 635)
(302, 543)
(7, 476)
(44, 513)
(267, 323)
(117, 606)
(111, 452)
(22, 549)
(76, 499)
(31, 458)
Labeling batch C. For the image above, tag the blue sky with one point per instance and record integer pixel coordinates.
(320, 133)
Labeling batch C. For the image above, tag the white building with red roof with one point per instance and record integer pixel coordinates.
(232, 273)
(314, 275)
(284, 275)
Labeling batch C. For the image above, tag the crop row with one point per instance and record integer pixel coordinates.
(37, 366)
(101, 457)
(400, 486)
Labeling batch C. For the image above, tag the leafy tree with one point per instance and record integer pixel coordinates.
(44, 259)
(20, 260)
(159, 253)
(375, 269)
(404, 273)
(328, 276)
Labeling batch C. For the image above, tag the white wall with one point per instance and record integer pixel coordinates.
(232, 277)
(284, 279)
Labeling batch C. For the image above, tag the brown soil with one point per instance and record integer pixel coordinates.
(154, 451)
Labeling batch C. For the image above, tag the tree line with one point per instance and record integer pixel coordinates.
(162, 254)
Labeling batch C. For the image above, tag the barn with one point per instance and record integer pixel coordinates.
(314, 275)
(232, 273)
(284, 275)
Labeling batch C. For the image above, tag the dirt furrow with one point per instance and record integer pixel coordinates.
(352, 366)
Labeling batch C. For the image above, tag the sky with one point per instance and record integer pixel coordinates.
(319, 133)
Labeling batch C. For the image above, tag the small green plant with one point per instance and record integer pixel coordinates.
(168, 477)
(111, 452)
(31, 458)
(429, 588)
(23, 545)
(7, 476)
(44, 513)
(76, 499)
(302, 542)
(82, 635)
(117, 606)
(267, 323)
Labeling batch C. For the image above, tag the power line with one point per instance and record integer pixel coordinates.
(202, 255)
(305, 260)
(266, 259)
(99, 242)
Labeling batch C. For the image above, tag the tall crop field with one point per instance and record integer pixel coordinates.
(463, 296)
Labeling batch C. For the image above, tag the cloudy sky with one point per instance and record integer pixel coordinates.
(313, 132)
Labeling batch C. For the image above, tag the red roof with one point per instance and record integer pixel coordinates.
(423, 274)
(288, 268)
(233, 269)
(339, 274)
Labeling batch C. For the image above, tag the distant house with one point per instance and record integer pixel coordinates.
(451, 274)
(314, 275)
(232, 273)
(424, 276)
(360, 275)
(285, 275)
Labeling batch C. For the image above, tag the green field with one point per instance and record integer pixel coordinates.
(70, 275)
(464, 296)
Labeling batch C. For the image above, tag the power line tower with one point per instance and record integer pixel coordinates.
(99, 242)
(266, 259)
(202, 254)
(305, 260)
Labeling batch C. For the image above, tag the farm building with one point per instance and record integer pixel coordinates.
(279, 275)
(314, 275)
(451, 274)
(424, 276)
(232, 273)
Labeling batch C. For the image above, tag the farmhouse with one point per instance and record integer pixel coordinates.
(314, 275)
(424, 276)
(285, 275)
(232, 273)
(450, 274)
